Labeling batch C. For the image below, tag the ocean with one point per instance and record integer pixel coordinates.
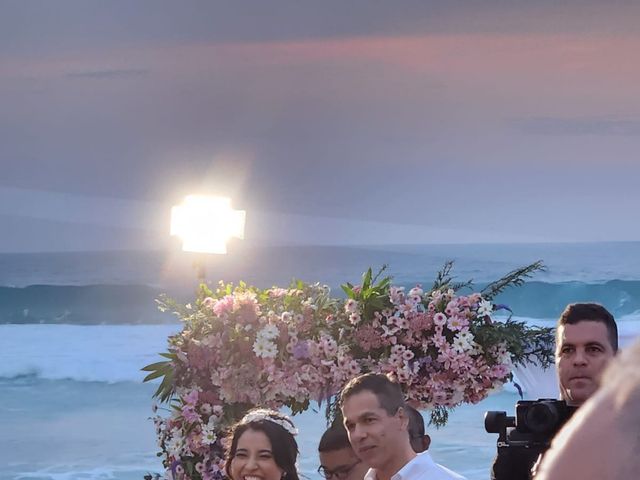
(75, 329)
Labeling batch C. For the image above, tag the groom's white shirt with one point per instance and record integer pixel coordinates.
(422, 467)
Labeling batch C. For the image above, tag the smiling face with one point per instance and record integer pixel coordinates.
(253, 459)
(376, 436)
(582, 352)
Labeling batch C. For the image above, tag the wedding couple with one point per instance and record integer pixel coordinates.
(263, 445)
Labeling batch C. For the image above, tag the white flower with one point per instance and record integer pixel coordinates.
(209, 434)
(265, 348)
(461, 344)
(467, 336)
(485, 308)
(175, 444)
(416, 291)
(269, 332)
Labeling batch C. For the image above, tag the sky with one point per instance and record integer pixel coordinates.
(333, 122)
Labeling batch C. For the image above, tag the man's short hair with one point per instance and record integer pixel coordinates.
(416, 422)
(388, 393)
(334, 438)
(593, 312)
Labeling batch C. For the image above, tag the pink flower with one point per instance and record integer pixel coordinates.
(223, 306)
(351, 306)
(278, 292)
(402, 323)
(457, 323)
(246, 306)
(191, 398)
(407, 355)
(440, 319)
(208, 302)
(367, 337)
(500, 371)
(452, 308)
(189, 413)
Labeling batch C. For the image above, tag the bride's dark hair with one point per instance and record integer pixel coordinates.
(283, 443)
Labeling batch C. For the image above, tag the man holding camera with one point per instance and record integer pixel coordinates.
(601, 441)
(586, 339)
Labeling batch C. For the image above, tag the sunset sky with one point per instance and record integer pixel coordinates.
(328, 121)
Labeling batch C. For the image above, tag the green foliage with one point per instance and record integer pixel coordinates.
(524, 342)
(444, 279)
(373, 294)
(515, 278)
(439, 416)
(162, 369)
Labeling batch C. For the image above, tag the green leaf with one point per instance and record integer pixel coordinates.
(155, 366)
(165, 390)
(366, 279)
(348, 289)
(154, 375)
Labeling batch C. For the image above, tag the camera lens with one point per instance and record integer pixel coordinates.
(542, 417)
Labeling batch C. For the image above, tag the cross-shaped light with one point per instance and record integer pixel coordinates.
(205, 224)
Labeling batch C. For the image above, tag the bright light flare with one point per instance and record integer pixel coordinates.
(205, 224)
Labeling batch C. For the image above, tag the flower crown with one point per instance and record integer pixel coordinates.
(270, 416)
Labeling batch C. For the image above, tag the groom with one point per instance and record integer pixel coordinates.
(376, 420)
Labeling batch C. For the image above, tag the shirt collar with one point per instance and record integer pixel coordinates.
(412, 468)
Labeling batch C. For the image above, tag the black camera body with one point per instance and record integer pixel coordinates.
(536, 422)
(523, 437)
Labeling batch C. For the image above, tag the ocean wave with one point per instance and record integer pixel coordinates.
(134, 304)
(97, 353)
(78, 305)
(547, 300)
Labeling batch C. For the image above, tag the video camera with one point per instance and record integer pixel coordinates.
(523, 437)
(536, 422)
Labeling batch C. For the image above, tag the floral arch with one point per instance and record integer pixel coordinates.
(242, 347)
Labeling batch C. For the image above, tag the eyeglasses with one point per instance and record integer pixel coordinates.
(340, 473)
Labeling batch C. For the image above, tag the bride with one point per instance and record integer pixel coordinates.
(263, 446)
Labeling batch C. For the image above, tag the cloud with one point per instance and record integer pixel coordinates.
(558, 126)
(109, 73)
(70, 25)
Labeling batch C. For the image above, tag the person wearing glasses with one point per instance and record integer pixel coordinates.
(338, 461)
(376, 419)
